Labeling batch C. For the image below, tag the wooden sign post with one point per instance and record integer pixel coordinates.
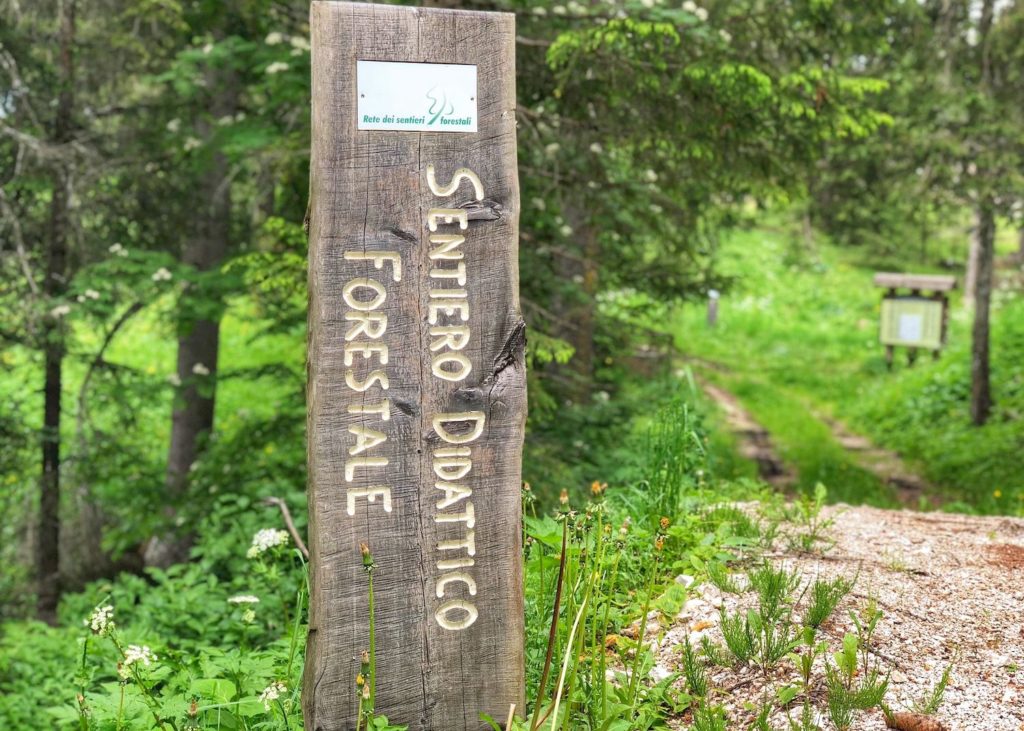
(417, 396)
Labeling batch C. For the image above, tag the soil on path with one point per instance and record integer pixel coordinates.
(951, 589)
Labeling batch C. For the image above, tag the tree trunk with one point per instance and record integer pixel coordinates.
(973, 254)
(981, 394)
(54, 286)
(199, 340)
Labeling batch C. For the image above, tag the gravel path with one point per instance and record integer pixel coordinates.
(951, 588)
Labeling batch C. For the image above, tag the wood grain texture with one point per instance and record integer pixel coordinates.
(369, 192)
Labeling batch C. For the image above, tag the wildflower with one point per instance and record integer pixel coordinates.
(725, 35)
(272, 692)
(118, 250)
(360, 680)
(225, 120)
(266, 539)
(299, 43)
(277, 67)
(540, 10)
(133, 656)
(243, 599)
(659, 543)
(174, 125)
(701, 13)
(664, 523)
(652, 177)
(563, 497)
(101, 621)
(367, 557)
(690, 6)
(598, 488)
(163, 274)
(190, 144)
(552, 149)
(274, 39)
(60, 311)
(565, 230)
(200, 370)
(92, 294)
(624, 529)
(539, 203)
(207, 49)
(997, 494)
(647, 3)
(174, 380)
(596, 148)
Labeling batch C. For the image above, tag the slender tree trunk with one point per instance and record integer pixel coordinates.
(973, 254)
(981, 393)
(54, 286)
(199, 340)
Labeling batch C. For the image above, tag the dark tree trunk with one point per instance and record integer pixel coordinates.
(198, 340)
(981, 393)
(973, 255)
(54, 286)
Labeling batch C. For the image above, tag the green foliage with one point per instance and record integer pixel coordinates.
(825, 597)
(931, 703)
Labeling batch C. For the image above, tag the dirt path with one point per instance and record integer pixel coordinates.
(755, 443)
(951, 589)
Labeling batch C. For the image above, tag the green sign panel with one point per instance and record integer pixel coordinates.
(914, 322)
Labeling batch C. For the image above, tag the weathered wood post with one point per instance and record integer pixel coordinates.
(417, 396)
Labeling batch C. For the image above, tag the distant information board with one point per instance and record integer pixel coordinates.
(914, 322)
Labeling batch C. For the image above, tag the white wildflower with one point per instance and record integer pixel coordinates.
(539, 203)
(552, 149)
(200, 370)
(299, 43)
(225, 120)
(174, 380)
(240, 116)
(565, 230)
(174, 125)
(725, 35)
(647, 3)
(596, 148)
(118, 250)
(690, 6)
(243, 599)
(701, 13)
(540, 10)
(101, 621)
(60, 310)
(92, 294)
(208, 49)
(656, 209)
(162, 274)
(558, 10)
(272, 692)
(652, 177)
(277, 67)
(266, 539)
(190, 144)
(274, 39)
(135, 655)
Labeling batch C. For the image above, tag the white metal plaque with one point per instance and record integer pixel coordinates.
(416, 97)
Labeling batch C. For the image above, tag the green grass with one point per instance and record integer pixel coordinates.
(797, 341)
